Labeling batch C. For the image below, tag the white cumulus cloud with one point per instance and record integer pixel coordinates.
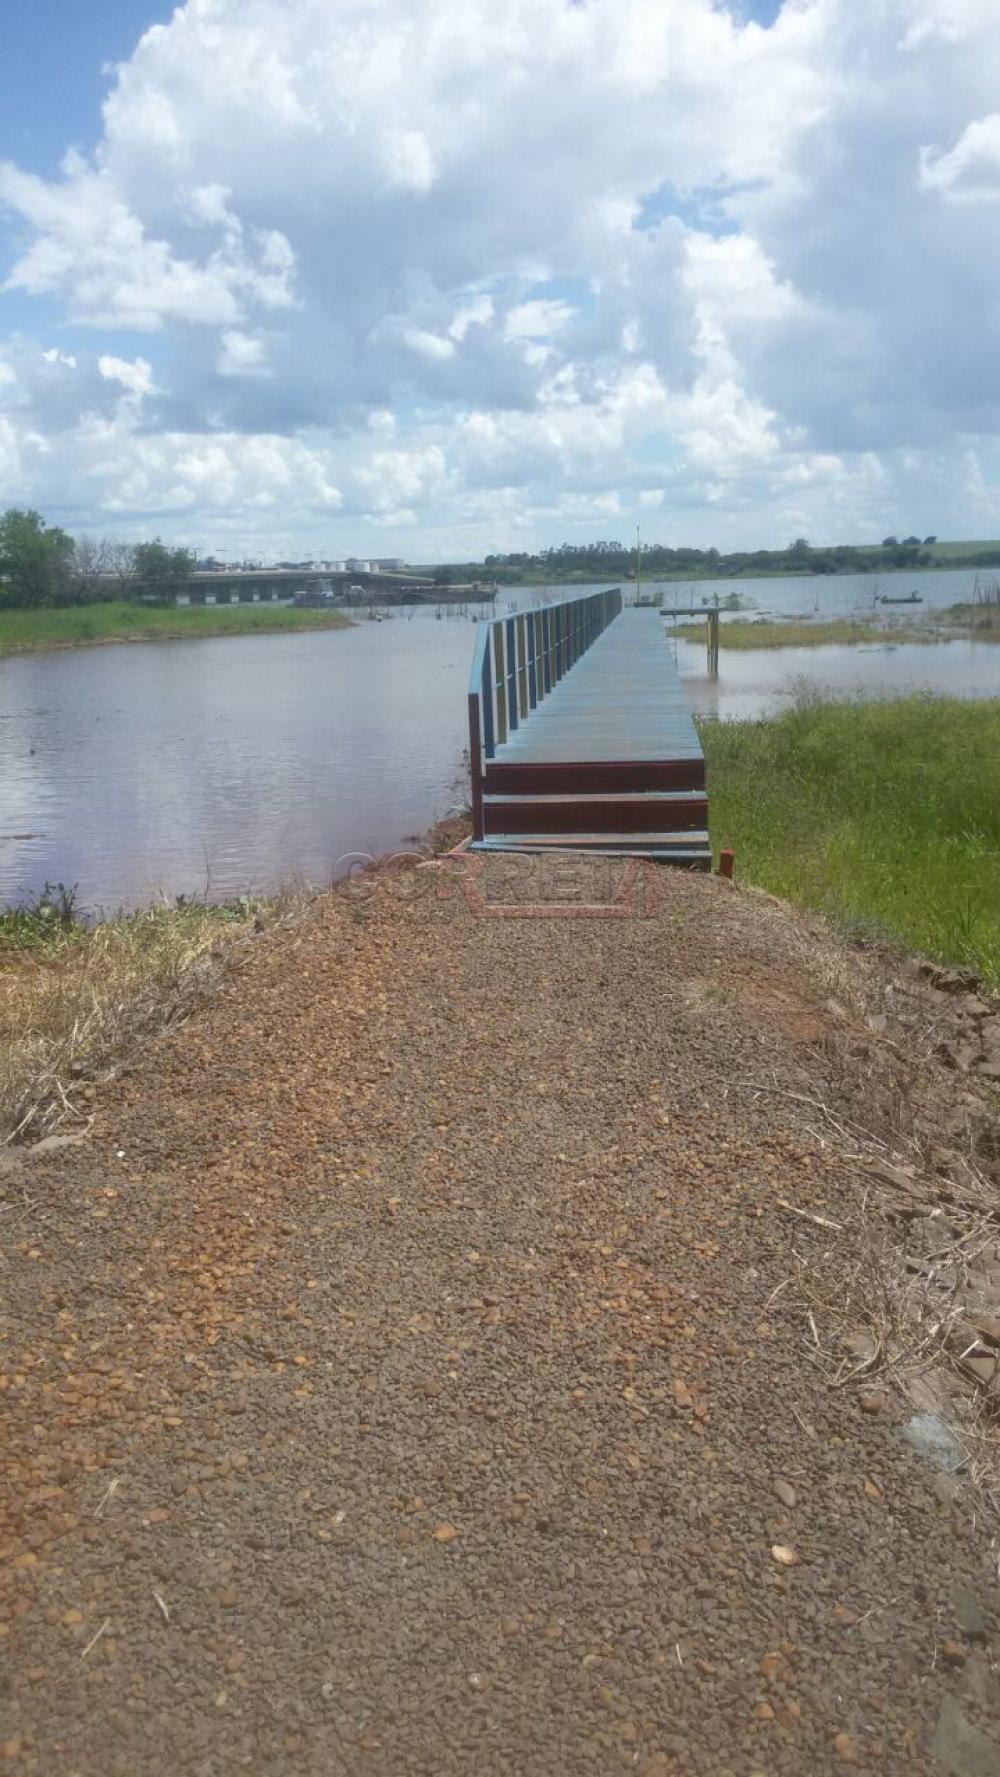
(488, 272)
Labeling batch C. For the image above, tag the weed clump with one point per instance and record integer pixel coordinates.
(884, 814)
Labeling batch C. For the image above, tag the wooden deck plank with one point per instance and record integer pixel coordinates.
(622, 701)
(608, 763)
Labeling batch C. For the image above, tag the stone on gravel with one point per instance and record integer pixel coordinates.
(929, 1435)
(786, 1493)
(970, 1617)
(785, 1556)
(874, 1401)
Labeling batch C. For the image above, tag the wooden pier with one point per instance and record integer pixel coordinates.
(581, 738)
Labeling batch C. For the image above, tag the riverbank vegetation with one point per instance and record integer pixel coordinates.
(75, 998)
(75, 626)
(979, 622)
(885, 815)
(42, 565)
(615, 562)
(792, 633)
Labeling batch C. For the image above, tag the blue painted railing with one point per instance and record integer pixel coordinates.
(518, 660)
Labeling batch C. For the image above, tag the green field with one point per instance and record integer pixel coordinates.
(883, 815)
(792, 634)
(953, 554)
(76, 626)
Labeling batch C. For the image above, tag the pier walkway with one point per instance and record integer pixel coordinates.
(581, 738)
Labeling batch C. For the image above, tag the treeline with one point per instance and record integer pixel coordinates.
(613, 560)
(40, 564)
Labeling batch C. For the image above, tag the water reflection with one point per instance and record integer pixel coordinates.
(759, 682)
(225, 765)
(232, 764)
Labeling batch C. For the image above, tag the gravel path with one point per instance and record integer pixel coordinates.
(397, 1381)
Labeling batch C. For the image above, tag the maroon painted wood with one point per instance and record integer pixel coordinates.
(588, 777)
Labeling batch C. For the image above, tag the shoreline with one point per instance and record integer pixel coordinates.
(84, 994)
(699, 576)
(785, 796)
(193, 629)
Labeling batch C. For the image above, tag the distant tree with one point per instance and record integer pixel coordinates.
(89, 564)
(890, 542)
(160, 568)
(35, 560)
(800, 549)
(121, 563)
(911, 542)
(930, 539)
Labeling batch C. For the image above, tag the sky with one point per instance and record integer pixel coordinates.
(442, 278)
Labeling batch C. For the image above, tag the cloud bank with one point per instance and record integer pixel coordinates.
(458, 278)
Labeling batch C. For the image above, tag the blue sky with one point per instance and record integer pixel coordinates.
(441, 278)
(54, 80)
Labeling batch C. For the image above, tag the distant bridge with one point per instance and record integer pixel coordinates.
(267, 585)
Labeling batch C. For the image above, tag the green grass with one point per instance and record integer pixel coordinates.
(47, 927)
(790, 633)
(884, 815)
(978, 622)
(957, 552)
(79, 626)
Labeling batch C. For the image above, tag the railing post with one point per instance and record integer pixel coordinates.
(519, 660)
(476, 765)
(523, 705)
(489, 744)
(503, 727)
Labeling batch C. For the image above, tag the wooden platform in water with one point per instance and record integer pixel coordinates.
(608, 762)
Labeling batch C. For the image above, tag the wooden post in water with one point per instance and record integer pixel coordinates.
(713, 642)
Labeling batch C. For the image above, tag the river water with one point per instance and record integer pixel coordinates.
(230, 765)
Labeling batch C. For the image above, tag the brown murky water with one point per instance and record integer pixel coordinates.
(227, 765)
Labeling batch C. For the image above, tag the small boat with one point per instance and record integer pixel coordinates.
(910, 598)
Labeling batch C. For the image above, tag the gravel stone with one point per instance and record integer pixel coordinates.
(429, 1214)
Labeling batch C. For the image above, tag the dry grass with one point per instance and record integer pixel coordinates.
(73, 1006)
(888, 1289)
(889, 1304)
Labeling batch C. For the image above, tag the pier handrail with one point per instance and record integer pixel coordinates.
(518, 660)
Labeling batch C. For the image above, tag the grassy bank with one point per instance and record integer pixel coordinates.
(78, 626)
(969, 622)
(885, 815)
(75, 998)
(791, 633)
